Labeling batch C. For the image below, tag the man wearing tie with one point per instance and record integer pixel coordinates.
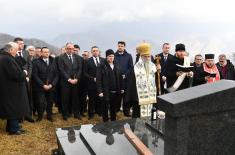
(45, 78)
(70, 72)
(94, 104)
(24, 60)
(165, 56)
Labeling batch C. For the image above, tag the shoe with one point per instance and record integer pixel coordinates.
(127, 114)
(78, 117)
(83, 115)
(29, 119)
(16, 133)
(39, 119)
(90, 117)
(49, 118)
(65, 118)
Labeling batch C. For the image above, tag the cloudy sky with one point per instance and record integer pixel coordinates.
(203, 25)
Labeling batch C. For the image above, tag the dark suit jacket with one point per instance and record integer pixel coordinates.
(68, 70)
(43, 74)
(90, 72)
(28, 66)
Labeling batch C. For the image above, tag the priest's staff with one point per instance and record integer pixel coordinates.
(158, 82)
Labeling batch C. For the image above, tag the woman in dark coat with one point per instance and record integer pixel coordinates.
(13, 93)
(109, 86)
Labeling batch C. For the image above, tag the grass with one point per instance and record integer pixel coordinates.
(40, 138)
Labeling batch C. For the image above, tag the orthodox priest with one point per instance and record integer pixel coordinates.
(141, 90)
(179, 72)
(207, 72)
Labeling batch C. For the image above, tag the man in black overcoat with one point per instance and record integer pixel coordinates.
(13, 93)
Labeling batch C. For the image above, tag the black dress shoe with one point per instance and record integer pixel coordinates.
(127, 114)
(49, 118)
(39, 119)
(29, 119)
(16, 133)
(65, 118)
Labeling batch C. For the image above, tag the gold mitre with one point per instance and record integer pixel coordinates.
(144, 49)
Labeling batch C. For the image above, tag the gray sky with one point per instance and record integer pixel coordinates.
(203, 25)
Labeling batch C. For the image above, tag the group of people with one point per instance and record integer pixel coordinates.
(33, 80)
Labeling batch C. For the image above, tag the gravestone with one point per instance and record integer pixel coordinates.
(200, 120)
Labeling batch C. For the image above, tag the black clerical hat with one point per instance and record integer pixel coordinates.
(179, 47)
(209, 56)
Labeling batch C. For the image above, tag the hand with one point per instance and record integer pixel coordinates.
(179, 73)
(190, 74)
(46, 87)
(26, 73)
(163, 78)
(158, 67)
(122, 91)
(75, 81)
(207, 78)
(94, 79)
(27, 79)
(123, 76)
(50, 86)
(70, 80)
(101, 95)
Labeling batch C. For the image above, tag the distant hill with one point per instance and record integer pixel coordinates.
(5, 38)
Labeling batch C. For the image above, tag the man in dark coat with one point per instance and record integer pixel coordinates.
(14, 101)
(125, 62)
(226, 68)
(70, 73)
(198, 61)
(173, 71)
(90, 69)
(24, 55)
(165, 57)
(45, 77)
(109, 85)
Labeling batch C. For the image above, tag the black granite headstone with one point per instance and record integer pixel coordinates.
(200, 120)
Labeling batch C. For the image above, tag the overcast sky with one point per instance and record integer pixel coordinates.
(212, 21)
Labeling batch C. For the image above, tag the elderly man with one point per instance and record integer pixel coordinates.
(141, 90)
(226, 68)
(13, 93)
(207, 72)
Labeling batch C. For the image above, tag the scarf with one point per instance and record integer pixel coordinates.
(212, 70)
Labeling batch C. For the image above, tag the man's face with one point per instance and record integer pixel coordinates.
(181, 54)
(198, 60)
(209, 62)
(76, 50)
(222, 60)
(110, 58)
(45, 53)
(121, 47)
(166, 49)
(21, 45)
(38, 52)
(146, 58)
(69, 48)
(85, 55)
(31, 52)
(13, 51)
(95, 52)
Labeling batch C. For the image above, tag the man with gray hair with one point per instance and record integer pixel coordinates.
(13, 93)
(226, 68)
